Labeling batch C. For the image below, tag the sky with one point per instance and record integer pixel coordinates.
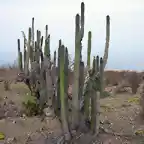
(126, 49)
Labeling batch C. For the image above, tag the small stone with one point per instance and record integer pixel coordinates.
(23, 115)
(5, 97)
(49, 112)
(14, 121)
(10, 140)
(4, 103)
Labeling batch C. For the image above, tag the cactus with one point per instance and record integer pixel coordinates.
(79, 34)
(49, 84)
(87, 97)
(89, 49)
(63, 94)
(96, 91)
(58, 79)
(75, 101)
(105, 57)
(99, 81)
(20, 63)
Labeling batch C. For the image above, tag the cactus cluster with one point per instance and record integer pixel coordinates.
(49, 83)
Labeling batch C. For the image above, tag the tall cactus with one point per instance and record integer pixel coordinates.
(50, 84)
(75, 101)
(89, 49)
(66, 62)
(20, 63)
(87, 95)
(105, 57)
(78, 48)
(95, 106)
(58, 79)
(63, 94)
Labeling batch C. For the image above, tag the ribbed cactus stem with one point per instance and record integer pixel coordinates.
(89, 49)
(49, 55)
(97, 64)
(28, 53)
(54, 58)
(105, 57)
(58, 80)
(82, 19)
(41, 42)
(82, 27)
(47, 47)
(46, 34)
(19, 56)
(66, 63)
(93, 98)
(33, 40)
(101, 77)
(46, 41)
(75, 93)
(63, 95)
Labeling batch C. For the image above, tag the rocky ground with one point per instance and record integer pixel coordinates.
(120, 121)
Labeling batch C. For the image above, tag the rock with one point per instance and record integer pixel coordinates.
(11, 102)
(5, 97)
(10, 140)
(108, 142)
(14, 121)
(49, 112)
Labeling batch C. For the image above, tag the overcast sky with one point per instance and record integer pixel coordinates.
(127, 27)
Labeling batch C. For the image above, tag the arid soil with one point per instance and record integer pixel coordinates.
(120, 119)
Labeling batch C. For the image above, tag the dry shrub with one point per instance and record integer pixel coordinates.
(30, 106)
(123, 79)
(142, 99)
(134, 81)
(6, 85)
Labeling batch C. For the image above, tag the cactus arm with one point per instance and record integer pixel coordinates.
(105, 57)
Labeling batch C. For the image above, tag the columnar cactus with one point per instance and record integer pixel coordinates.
(78, 47)
(49, 84)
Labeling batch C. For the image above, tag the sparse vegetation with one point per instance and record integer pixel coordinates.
(31, 107)
(40, 76)
(73, 97)
(6, 85)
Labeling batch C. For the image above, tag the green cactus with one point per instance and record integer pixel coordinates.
(47, 44)
(44, 77)
(25, 52)
(58, 79)
(89, 49)
(81, 80)
(101, 77)
(66, 61)
(105, 57)
(63, 94)
(87, 96)
(33, 40)
(95, 106)
(93, 95)
(28, 53)
(75, 93)
(20, 63)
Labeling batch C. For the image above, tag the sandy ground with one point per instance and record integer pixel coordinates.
(120, 119)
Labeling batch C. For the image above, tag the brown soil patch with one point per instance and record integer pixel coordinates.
(120, 119)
